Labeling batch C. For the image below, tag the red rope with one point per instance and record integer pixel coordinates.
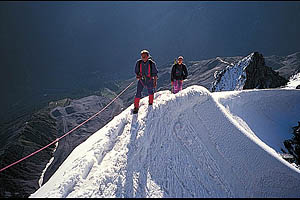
(69, 131)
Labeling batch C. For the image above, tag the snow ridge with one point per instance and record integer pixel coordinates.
(232, 77)
(185, 145)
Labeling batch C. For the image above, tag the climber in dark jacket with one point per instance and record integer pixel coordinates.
(146, 73)
(178, 74)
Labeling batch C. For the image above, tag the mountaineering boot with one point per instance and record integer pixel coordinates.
(151, 97)
(135, 110)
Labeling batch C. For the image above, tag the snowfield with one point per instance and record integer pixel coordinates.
(268, 114)
(192, 144)
(294, 81)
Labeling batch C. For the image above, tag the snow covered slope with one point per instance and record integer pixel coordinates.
(294, 81)
(233, 77)
(186, 145)
(268, 114)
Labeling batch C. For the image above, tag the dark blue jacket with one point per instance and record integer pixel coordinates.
(145, 68)
(179, 72)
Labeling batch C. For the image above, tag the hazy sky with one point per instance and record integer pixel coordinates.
(60, 44)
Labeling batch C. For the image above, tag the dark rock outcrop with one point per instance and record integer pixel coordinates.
(293, 145)
(261, 76)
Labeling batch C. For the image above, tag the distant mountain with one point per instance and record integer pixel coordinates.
(23, 136)
(20, 138)
(249, 73)
(285, 65)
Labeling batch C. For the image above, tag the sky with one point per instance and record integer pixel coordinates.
(67, 45)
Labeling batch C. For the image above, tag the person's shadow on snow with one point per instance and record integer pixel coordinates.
(134, 171)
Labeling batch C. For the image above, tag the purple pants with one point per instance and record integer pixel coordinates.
(177, 86)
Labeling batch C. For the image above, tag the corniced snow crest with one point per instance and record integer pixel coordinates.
(232, 77)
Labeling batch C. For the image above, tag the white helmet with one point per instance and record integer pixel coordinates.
(145, 51)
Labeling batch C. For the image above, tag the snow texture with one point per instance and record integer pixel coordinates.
(48, 164)
(294, 81)
(268, 114)
(191, 144)
(233, 77)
